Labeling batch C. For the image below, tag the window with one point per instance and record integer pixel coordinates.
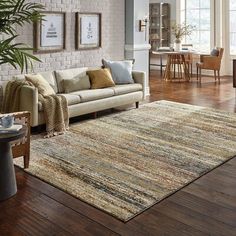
(232, 30)
(198, 13)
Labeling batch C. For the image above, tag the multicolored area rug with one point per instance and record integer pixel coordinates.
(125, 163)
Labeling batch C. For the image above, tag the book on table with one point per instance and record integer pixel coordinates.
(12, 129)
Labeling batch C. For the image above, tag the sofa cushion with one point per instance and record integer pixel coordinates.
(76, 84)
(41, 84)
(48, 75)
(69, 74)
(94, 94)
(127, 88)
(40, 106)
(121, 71)
(100, 78)
(71, 100)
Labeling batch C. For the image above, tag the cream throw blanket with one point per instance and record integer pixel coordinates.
(55, 107)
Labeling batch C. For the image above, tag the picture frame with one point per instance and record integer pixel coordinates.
(50, 33)
(88, 31)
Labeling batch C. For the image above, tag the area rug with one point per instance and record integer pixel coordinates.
(126, 162)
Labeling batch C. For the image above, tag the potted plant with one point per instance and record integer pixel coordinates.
(16, 13)
(180, 31)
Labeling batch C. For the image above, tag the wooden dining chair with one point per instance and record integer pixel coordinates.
(210, 62)
(188, 57)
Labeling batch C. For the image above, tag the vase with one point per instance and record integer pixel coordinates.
(177, 45)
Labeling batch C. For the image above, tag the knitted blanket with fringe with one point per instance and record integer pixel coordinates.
(55, 107)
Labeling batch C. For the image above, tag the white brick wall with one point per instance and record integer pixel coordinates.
(113, 36)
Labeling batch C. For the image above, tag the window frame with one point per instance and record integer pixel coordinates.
(231, 54)
(212, 22)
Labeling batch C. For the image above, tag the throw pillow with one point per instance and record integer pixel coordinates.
(76, 84)
(100, 78)
(69, 74)
(215, 52)
(41, 84)
(121, 71)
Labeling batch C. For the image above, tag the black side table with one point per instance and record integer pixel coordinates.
(8, 186)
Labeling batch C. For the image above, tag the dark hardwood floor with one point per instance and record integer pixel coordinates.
(205, 207)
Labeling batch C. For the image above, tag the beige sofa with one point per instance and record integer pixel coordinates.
(83, 101)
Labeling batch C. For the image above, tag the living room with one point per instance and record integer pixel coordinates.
(95, 139)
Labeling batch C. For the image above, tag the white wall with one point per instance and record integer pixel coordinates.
(137, 45)
(113, 36)
(223, 36)
(141, 10)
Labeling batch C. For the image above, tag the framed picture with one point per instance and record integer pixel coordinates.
(49, 33)
(88, 30)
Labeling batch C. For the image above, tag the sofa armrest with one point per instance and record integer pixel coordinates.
(140, 78)
(1, 97)
(29, 102)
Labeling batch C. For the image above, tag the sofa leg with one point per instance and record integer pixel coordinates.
(95, 115)
(38, 129)
(26, 161)
(137, 105)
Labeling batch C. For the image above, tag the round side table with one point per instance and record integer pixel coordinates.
(8, 186)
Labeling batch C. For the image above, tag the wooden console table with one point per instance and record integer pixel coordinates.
(8, 186)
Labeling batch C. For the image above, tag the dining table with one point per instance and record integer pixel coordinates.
(177, 66)
(162, 56)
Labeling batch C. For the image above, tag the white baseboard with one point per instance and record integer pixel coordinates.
(147, 91)
(137, 47)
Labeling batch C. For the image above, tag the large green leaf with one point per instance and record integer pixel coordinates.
(12, 13)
